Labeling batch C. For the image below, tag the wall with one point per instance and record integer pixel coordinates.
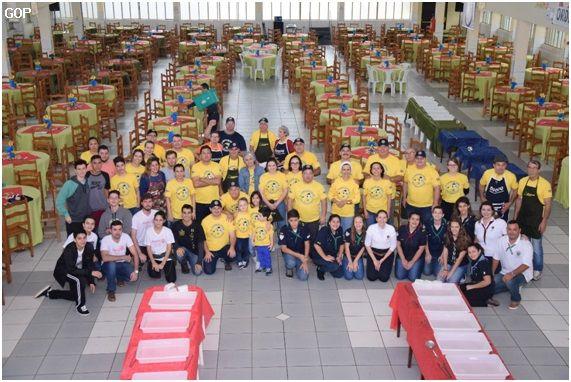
(452, 17)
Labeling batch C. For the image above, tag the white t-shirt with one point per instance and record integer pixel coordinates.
(159, 241)
(488, 236)
(79, 261)
(511, 256)
(92, 238)
(116, 248)
(381, 238)
(140, 223)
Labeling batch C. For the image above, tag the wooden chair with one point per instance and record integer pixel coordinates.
(16, 223)
(469, 87)
(558, 141)
(527, 140)
(58, 116)
(393, 128)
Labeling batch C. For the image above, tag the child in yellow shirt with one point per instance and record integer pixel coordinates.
(263, 239)
(243, 229)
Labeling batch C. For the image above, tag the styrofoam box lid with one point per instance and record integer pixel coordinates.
(448, 304)
(479, 366)
(165, 322)
(163, 350)
(168, 375)
(453, 321)
(172, 300)
(436, 289)
(474, 342)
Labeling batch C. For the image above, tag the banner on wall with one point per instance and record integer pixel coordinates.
(469, 16)
(559, 16)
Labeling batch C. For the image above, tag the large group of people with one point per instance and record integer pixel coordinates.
(237, 204)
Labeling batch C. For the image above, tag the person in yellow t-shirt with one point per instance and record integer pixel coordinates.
(306, 157)
(184, 156)
(243, 229)
(391, 164)
(293, 173)
(421, 189)
(263, 239)
(409, 159)
(499, 186)
(378, 192)
(262, 142)
(127, 186)
(344, 195)
(255, 205)
(230, 199)
(310, 200)
(453, 185)
(231, 165)
(220, 239)
(93, 146)
(335, 168)
(273, 188)
(158, 150)
(137, 164)
(179, 191)
(206, 177)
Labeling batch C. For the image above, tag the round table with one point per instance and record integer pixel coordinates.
(199, 78)
(493, 50)
(34, 207)
(564, 87)
(94, 46)
(548, 108)
(264, 61)
(437, 60)
(562, 191)
(120, 63)
(189, 69)
(200, 35)
(374, 60)
(140, 43)
(183, 90)
(165, 124)
(323, 86)
(216, 61)
(240, 44)
(184, 46)
(294, 36)
(85, 109)
(32, 75)
(484, 80)
(416, 46)
(267, 48)
(318, 70)
(61, 135)
(363, 152)
(354, 135)
(42, 162)
(109, 92)
(331, 98)
(346, 117)
(383, 71)
(15, 95)
(541, 71)
(543, 128)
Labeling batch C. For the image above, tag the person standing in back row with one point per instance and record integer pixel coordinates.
(499, 185)
(262, 142)
(72, 201)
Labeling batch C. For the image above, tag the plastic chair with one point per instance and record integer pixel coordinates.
(402, 80)
(388, 81)
(259, 69)
(372, 78)
(245, 66)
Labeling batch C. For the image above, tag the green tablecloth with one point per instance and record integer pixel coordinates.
(382, 72)
(61, 135)
(454, 63)
(15, 96)
(543, 128)
(375, 60)
(165, 124)
(319, 70)
(484, 80)
(42, 162)
(548, 70)
(109, 92)
(30, 76)
(428, 126)
(562, 191)
(86, 109)
(416, 46)
(35, 209)
(346, 118)
(323, 86)
(188, 69)
(263, 61)
(184, 46)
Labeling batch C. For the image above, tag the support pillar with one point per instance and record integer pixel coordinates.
(5, 59)
(439, 15)
(521, 41)
(77, 15)
(45, 23)
(472, 34)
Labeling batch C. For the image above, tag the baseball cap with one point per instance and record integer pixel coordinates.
(230, 119)
(263, 120)
(383, 142)
(421, 153)
(233, 184)
(233, 145)
(345, 145)
(307, 167)
(299, 140)
(215, 203)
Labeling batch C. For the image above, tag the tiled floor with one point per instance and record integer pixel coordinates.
(332, 329)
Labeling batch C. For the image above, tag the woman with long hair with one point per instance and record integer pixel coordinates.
(328, 249)
(410, 248)
(463, 213)
(453, 260)
(137, 164)
(377, 193)
(154, 182)
(294, 173)
(273, 188)
(380, 244)
(488, 230)
(480, 288)
(453, 185)
(353, 266)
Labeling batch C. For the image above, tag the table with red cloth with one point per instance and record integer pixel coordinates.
(201, 314)
(408, 313)
(33, 75)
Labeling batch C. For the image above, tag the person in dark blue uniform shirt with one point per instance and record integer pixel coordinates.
(294, 242)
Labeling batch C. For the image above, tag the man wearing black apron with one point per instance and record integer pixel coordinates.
(532, 210)
(263, 149)
(231, 165)
(498, 186)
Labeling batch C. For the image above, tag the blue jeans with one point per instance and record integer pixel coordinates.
(328, 266)
(282, 209)
(115, 271)
(243, 249)
(537, 254)
(264, 256)
(210, 267)
(358, 274)
(458, 274)
(134, 210)
(372, 219)
(424, 212)
(413, 273)
(513, 286)
(346, 223)
(295, 263)
(432, 267)
(189, 256)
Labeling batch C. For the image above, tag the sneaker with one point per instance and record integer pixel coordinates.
(241, 264)
(258, 270)
(111, 296)
(83, 310)
(44, 292)
(320, 274)
(536, 275)
(268, 271)
(289, 273)
(121, 283)
(184, 267)
(228, 266)
(513, 305)
(493, 302)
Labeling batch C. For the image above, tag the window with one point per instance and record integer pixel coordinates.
(155, 10)
(506, 23)
(486, 17)
(304, 10)
(554, 38)
(89, 9)
(64, 11)
(377, 10)
(217, 10)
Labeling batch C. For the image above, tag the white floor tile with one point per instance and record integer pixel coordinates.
(370, 339)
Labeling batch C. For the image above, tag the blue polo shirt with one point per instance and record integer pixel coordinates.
(411, 241)
(435, 238)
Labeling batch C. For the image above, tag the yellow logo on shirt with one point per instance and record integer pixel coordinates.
(272, 187)
(376, 192)
(208, 174)
(260, 233)
(123, 188)
(343, 193)
(452, 187)
(217, 230)
(307, 196)
(182, 193)
(242, 224)
(293, 181)
(419, 180)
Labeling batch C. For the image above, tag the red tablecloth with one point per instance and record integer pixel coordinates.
(408, 313)
(552, 122)
(508, 89)
(56, 129)
(353, 131)
(546, 106)
(21, 156)
(363, 151)
(68, 107)
(9, 192)
(201, 313)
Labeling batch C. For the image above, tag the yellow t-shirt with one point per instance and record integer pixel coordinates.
(158, 150)
(127, 185)
(226, 163)
(421, 183)
(242, 225)
(377, 194)
(543, 188)
(137, 171)
(262, 233)
(272, 186)
(293, 178)
(405, 165)
(254, 213)
(217, 231)
(307, 199)
(256, 138)
(344, 190)
(452, 186)
(391, 164)
(180, 193)
(508, 176)
(204, 195)
(230, 204)
(86, 156)
(186, 158)
(335, 170)
(306, 158)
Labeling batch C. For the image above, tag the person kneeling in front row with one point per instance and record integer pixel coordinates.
(295, 244)
(328, 249)
(480, 288)
(380, 244)
(75, 267)
(188, 237)
(159, 240)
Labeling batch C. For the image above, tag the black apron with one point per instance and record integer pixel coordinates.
(531, 212)
(281, 151)
(231, 175)
(497, 193)
(263, 150)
